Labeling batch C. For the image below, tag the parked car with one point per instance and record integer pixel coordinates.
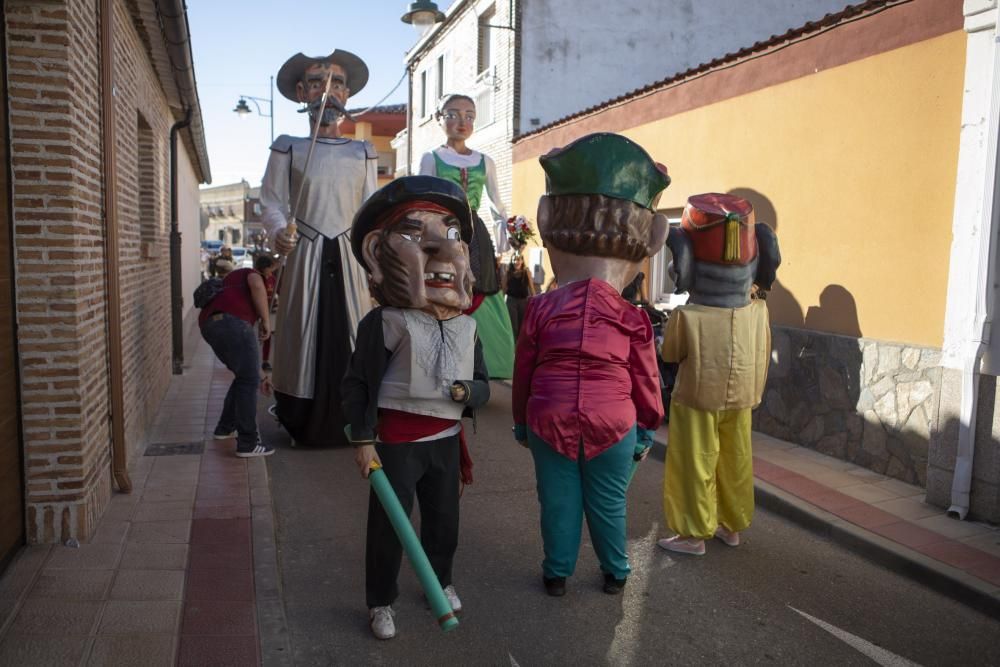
(243, 259)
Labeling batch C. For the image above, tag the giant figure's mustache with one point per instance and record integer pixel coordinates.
(334, 109)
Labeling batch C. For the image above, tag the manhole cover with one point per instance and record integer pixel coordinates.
(174, 448)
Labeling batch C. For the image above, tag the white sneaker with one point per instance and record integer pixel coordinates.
(381, 623)
(456, 604)
(451, 596)
(729, 538)
(683, 545)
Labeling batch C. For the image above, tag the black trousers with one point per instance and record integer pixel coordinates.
(429, 470)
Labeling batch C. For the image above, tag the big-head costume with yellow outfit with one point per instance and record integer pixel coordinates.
(722, 342)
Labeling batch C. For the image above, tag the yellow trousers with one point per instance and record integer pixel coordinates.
(709, 471)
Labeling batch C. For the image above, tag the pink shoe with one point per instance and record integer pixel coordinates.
(730, 538)
(683, 545)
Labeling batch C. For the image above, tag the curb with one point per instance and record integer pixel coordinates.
(272, 627)
(934, 574)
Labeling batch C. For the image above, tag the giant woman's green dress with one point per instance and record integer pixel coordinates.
(492, 319)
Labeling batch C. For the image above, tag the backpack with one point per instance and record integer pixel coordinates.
(207, 291)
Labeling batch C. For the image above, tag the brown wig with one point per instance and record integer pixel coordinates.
(395, 275)
(599, 226)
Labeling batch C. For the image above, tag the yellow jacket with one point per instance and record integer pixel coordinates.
(723, 355)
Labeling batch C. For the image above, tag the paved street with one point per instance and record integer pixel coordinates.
(733, 605)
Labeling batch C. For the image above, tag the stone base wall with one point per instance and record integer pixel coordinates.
(870, 402)
(984, 503)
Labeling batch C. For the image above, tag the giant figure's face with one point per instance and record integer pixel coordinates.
(310, 91)
(458, 118)
(421, 262)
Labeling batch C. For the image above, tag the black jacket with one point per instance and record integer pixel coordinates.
(359, 388)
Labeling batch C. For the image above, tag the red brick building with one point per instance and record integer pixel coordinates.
(86, 311)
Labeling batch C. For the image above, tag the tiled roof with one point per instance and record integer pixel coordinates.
(385, 108)
(846, 15)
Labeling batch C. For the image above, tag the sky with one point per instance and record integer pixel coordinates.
(237, 46)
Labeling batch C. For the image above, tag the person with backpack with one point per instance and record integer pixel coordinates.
(227, 322)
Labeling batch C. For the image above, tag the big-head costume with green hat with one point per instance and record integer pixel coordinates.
(323, 291)
(586, 391)
(600, 197)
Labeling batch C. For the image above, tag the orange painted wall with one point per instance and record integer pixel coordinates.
(854, 165)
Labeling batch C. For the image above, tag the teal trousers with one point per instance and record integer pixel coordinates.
(569, 489)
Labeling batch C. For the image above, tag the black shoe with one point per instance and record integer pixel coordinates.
(555, 587)
(613, 586)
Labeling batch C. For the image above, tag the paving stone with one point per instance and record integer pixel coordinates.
(27, 650)
(205, 617)
(217, 651)
(909, 508)
(56, 617)
(127, 617)
(171, 510)
(110, 531)
(148, 585)
(72, 584)
(128, 651)
(220, 531)
(160, 532)
(155, 556)
(223, 585)
(169, 493)
(86, 557)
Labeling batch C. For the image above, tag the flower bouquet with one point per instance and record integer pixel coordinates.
(519, 231)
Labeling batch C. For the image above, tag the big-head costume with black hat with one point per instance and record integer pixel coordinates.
(586, 386)
(323, 292)
(722, 342)
(418, 367)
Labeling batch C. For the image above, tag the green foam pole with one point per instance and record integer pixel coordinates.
(414, 551)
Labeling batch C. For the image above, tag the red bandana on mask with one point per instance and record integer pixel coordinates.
(397, 213)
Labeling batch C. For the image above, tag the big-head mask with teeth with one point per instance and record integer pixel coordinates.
(414, 244)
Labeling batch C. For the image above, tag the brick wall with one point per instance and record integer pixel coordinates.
(55, 124)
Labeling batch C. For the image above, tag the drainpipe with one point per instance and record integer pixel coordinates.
(975, 347)
(409, 121)
(116, 389)
(176, 296)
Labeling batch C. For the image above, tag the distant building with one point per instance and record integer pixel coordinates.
(224, 212)
(88, 289)
(379, 126)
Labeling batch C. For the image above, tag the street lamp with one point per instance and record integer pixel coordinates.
(423, 14)
(243, 109)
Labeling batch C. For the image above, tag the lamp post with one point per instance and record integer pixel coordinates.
(243, 109)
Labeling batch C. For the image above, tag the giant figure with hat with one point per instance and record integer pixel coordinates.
(417, 368)
(722, 341)
(586, 391)
(311, 189)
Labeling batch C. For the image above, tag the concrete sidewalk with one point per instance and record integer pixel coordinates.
(169, 576)
(883, 518)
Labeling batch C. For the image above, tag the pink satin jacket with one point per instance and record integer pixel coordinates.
(585, 369)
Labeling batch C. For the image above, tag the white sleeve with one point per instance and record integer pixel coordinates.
(493, 190)
(428, 166)
(371, 178)
(274, 194)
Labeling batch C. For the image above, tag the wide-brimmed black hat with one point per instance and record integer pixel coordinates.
(409, 188)
(294, 68)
